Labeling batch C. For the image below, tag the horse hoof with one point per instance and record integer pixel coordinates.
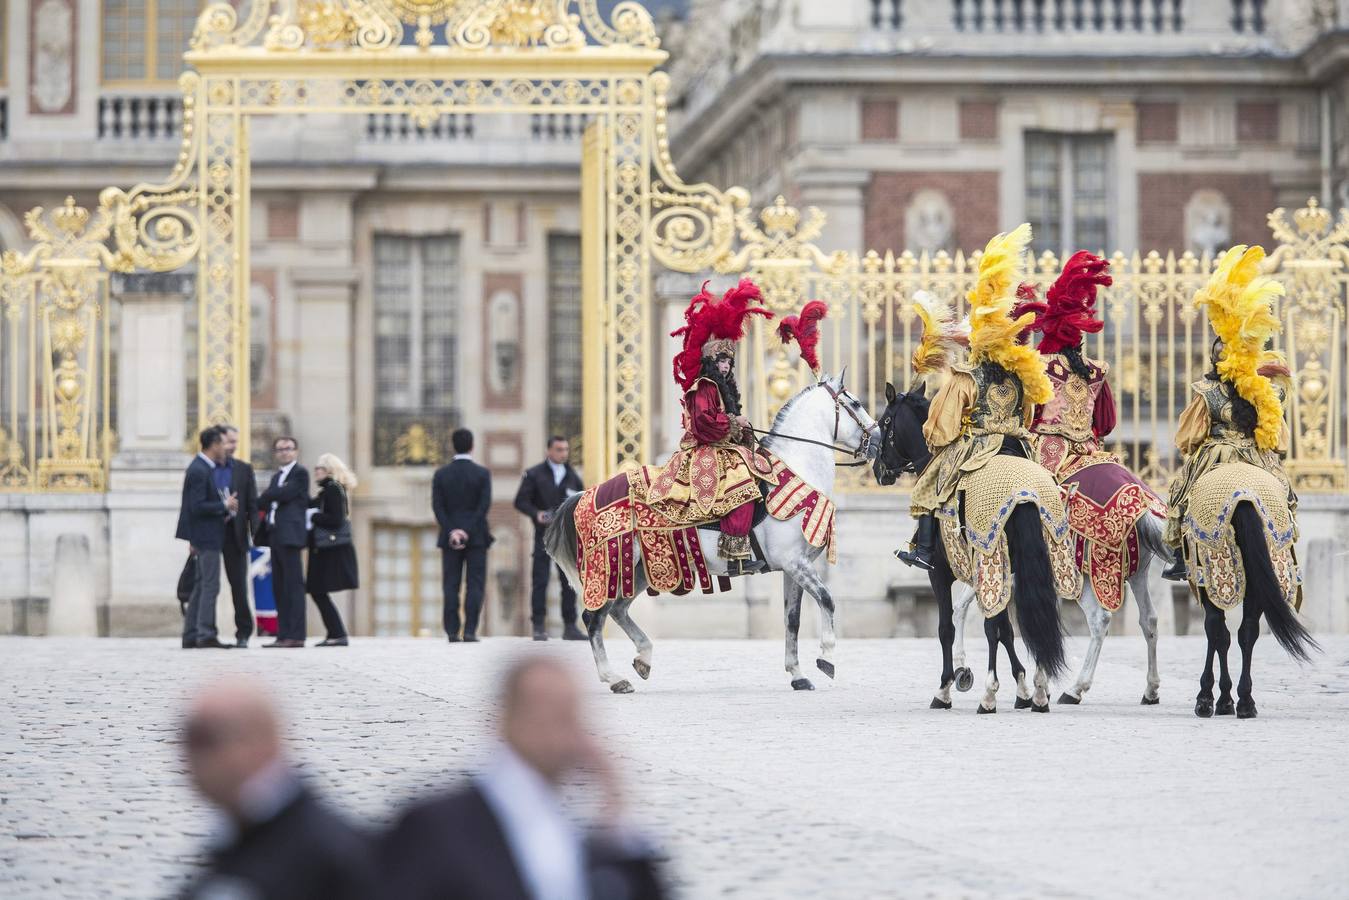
(1203, 707)
(964, 679)
(1039, 707)
(1245, 709)
(1151, 701)
(802, 684)
(642, 668)
(1068, 699)
(1022, 703)
(938, 703)
(825, 666)
(1225, 707)
(621, 687)
(983, 711)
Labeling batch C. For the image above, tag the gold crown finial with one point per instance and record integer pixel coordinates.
(1312, 218)
(780, 218)
(70, 218)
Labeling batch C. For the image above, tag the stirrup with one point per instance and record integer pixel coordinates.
(918, 557)
(737, 567)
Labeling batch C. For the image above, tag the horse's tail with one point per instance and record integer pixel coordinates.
(1149, 533)
(1037, 600)
(559, 538)
(1262, 586)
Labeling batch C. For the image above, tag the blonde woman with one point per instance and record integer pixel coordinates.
(332, 558)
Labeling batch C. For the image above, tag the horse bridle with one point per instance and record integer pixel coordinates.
(858, 453)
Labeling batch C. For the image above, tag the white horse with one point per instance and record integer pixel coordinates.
(810, 427)
(1150, 546)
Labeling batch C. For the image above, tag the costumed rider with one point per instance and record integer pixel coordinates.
(715, 473)
(985, 407)
(1070, 428)
(1237, 412)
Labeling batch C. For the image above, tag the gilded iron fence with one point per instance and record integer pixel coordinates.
(1155, 342)
(55, 365)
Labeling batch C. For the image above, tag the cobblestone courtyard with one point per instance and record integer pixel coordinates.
(855, 790)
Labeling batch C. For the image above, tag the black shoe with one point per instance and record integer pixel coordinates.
(284, 644)
(1176, 571)
(189, 645)
(213, 644)
(921, 548)
(540, 634)
(241, 643)
(454, 639)
(332, 642)
(470, 637)
(737, 567)
(572, 633)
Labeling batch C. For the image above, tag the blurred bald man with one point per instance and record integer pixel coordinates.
(506, 835)
(276, 840)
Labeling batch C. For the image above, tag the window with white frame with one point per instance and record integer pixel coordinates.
(144, 40)
(416, 302)
(1068, 179)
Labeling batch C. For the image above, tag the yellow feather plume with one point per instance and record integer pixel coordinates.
(993, 331)
(1240, 305)
(938, 344)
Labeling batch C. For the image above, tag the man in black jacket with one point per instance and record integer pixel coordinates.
(461, 494)
(279, 840)
(201, 522)
(286, 500)
(542, 491)
(505, 835)
(238, 477)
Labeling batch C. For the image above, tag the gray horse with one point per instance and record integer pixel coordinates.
(810, 427)
(1150, 546)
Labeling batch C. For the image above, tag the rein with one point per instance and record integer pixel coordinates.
(801, 440)
(858, 454)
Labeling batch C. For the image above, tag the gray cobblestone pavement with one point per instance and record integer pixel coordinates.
(855, 790)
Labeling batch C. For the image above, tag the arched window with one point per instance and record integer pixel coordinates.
(144, 40)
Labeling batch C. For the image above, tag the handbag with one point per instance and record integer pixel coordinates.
(325, 537)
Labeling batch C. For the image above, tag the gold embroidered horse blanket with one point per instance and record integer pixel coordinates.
(614, 522)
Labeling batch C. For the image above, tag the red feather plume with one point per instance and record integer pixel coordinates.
(708, 318)
(804, 328)
(1072, 302)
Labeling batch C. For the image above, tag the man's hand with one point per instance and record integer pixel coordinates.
(458, 538)
(232, 503)
(543, 517)
(743, 422)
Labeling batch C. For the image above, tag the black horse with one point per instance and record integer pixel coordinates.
(903, 449)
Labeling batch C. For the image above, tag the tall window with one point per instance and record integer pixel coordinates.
(416, 315)
(1068, 191)
(144, 40)
(564, 329)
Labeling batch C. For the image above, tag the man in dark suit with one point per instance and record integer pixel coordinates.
(279, 840)
(201, 522)
(505, 835)
(286, 500)
(236, 476)
(542, 491)
(461, 494)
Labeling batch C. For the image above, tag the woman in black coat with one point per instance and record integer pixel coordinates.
(332, 558)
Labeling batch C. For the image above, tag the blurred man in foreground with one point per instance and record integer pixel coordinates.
(505, 835)
(277, 840)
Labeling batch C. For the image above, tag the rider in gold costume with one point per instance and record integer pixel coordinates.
(1237, 412)
(985, 407)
